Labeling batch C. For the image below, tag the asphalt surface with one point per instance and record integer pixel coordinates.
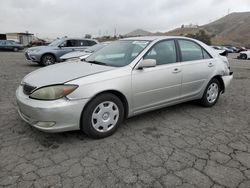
(181, 146)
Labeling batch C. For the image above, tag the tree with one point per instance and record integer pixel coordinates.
(202, 36)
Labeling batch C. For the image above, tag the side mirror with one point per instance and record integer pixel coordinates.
(146, 63)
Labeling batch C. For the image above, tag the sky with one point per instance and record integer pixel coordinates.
(75, 18)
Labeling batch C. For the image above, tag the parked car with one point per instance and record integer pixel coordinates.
(38, 42)
(223, 48)
(48, 55)
(229, 50)
(220, 51)
(244, 55)
(241, 49)
(84, 53)
(232, 49)
(126, 78)
(10, 45)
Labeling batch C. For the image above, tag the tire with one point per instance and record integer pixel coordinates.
(102, 116)
(15, 49)
(243, 56)
(48, 59)
(211, 93)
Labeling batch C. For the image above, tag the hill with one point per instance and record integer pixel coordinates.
(138, 32)
(231, 29)
(183, 31)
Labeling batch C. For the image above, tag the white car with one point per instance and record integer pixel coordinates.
(244, 55)
(84, 53)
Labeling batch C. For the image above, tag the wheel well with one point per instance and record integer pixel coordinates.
(121, 97)
(116, 93)
(218, 77)
(48, 54)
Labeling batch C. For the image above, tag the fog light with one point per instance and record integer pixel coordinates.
(45, 124)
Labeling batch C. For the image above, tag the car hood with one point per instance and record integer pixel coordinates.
(74, 54)
(62, 73)
(40, 48)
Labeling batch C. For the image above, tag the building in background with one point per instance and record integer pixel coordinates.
(22, 38)
(2, 36)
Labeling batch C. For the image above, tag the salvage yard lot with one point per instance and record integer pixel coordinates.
(181, 146)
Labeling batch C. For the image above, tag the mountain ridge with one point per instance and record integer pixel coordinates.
(232, 29)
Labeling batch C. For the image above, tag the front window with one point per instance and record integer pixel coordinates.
(118, 54)
(163, 52)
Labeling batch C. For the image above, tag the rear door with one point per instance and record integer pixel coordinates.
(83, 44)
(197, 67)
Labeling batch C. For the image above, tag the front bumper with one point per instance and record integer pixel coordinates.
(50, 116)
(227, 79)
(32, 56)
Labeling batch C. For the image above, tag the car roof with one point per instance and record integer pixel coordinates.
(153, 38)
(78, 39)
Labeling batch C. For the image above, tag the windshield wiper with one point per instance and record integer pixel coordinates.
(96, 62)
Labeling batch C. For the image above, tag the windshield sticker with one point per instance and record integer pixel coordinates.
(140, 42)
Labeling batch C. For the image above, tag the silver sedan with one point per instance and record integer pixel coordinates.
(128, 77)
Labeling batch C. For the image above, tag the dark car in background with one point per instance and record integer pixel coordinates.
(10, 45)
(241, 49)
(48, 55)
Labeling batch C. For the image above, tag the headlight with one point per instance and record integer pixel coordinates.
(53, 92)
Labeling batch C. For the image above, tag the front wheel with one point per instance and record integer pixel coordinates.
(211, 94)
(102, 116)
(48, 60)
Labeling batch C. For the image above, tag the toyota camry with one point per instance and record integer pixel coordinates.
(126, 78)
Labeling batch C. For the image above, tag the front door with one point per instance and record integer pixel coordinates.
(156, 86)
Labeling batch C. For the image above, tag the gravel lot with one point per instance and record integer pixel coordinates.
(180, 146)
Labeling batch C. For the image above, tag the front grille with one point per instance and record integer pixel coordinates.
(28, 89)
(27, 56)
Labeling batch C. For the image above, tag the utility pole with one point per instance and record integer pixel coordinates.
(115, 32)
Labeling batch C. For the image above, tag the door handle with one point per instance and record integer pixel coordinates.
(176, 70)
(210, 64)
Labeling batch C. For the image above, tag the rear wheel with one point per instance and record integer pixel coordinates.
(15, 49)
(211, 94)
(48, 60)
(102, 116)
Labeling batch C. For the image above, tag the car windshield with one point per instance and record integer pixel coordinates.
(56, 42)
(119, 53)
